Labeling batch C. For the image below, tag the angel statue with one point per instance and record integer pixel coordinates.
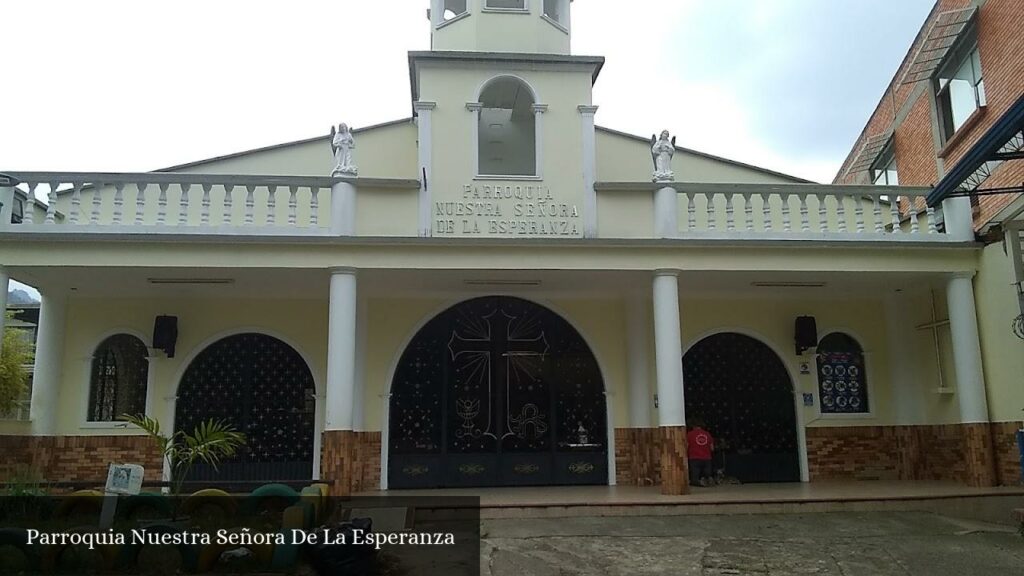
(662, 150)
(343, 144)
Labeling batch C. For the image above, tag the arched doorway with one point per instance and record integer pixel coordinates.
(264, 388)
(742, 391)
(497, 391)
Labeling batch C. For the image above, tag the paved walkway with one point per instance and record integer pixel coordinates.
(839, 544)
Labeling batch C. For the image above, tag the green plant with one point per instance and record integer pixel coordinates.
(210, 442)
(15, 355)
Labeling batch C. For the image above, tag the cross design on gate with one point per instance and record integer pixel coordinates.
(520, 341)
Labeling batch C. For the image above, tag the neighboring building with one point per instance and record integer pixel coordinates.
(952, 118)
(503, 294)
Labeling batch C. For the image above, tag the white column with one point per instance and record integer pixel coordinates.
(341, 351)
(668, 349)
(359, 394)
(907, 392)
(963, 326)
(5, 285)
(423, 112)
(343, 209)
(538, 131)
(589, 171)
(49, 362)
(666, 212)
(638, 341)
(959, 218)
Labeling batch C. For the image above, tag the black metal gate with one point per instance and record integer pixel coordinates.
(742, 391)
(264, 388)
(497, 391)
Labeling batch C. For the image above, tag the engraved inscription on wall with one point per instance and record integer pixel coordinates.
(507, 210)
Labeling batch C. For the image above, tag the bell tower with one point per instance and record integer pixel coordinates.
(515, 26)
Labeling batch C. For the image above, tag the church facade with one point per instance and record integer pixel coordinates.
(498, 291)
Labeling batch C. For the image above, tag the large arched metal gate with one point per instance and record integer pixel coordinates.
(497, 391)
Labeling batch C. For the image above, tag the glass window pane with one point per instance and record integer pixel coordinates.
(962, 101)
(507, 4)
(976, 64)
(453, 8)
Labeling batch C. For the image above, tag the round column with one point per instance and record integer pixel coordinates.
(669, 364)
(339, 441)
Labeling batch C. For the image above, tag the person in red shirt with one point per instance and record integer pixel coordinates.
(700, 446)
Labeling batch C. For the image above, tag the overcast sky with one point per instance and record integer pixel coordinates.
(111, 85)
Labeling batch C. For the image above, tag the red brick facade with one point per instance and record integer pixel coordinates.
(974, 454)
(76, 458)
(919, 153)
(350, 461)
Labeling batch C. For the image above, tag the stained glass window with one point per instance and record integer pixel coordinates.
(842, 380)
(120, 372)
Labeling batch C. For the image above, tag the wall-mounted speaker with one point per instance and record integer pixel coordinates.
(165, 334)
(806, 334)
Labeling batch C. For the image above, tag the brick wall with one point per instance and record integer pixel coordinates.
(637, 457)
(76, 458)
(1001, 46)
(351, 461)
(1007, 455)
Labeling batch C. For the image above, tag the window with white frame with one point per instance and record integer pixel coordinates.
(556, 10)
(505, 4)
(960, 88)
(883, 171)
(507, 129)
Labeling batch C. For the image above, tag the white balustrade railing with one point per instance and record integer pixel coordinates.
(795, 211)
(153, 202)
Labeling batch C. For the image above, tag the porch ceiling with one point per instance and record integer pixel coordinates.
(275, 283)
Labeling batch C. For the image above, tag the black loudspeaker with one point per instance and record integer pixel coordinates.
(806, 334)
(165, 334)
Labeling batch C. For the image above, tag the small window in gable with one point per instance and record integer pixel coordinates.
(120, 372)
(960, 88)
(506, 4)
(453, 9)
(507, 129)
(842, 379)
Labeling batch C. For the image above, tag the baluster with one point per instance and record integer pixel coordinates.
(97, 197)
(822, 214)
(894, 209)
(915, 228)
(228, 204)
(161, 203)
(183, 205)
(766, 212)
(29, 213)
(877, 215)
(859, 211)
(76, 202)
(711, 211)
(293, 204)
(250, 203)
(841, 212)
(140, 203)
(204, 215)
(686, 203)
(118, 202)
(805, 217)
(730, 218)
(314, 206)
(932, 228)
(51, 204)
(271, 204)
(748, 210)
(691, 211)
(787, 225)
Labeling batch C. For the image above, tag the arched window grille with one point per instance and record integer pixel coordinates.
(842, 378)
(120, 372)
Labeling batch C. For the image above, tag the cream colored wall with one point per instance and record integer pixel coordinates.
(621, 158)
(487, 31)
(303, 324)
(1002, 352)
(454, 145)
